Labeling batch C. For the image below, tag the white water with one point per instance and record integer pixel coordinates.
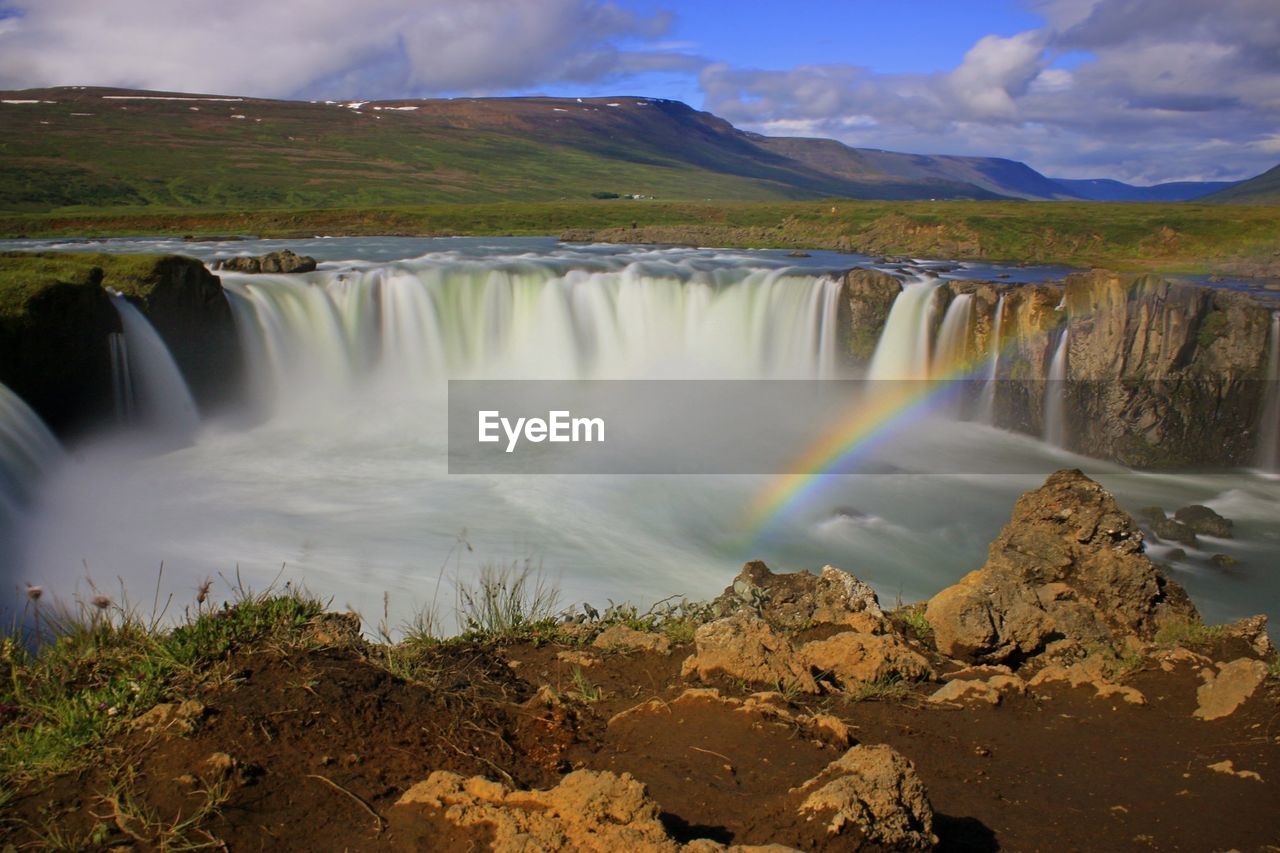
(1055, 392)
(953, 336)
(346, 482)
(1269, 435)
(150, 387)
(27, 452)
(903, 349)
(988, 405)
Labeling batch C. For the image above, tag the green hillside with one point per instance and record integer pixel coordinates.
(71, 147)
(1264, 189)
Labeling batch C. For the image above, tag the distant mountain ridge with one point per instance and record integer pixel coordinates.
(1102, 189)
(1262, 189)
(93, 147)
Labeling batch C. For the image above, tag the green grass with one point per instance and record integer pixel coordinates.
(509, 601)
(85, 673)
(912, 616)
(890, 689)
(1155, 237)
(1188, 633)
(25, 275)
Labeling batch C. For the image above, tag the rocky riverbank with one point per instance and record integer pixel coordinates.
(1063, 696)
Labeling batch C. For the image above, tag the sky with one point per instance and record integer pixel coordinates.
(1137, 90)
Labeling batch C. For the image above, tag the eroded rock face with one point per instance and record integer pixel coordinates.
(1163, 373)
(798, 600)
(744, 646)
(283, 261)
(877, 791)
(588, 810)
(867, 299)
(1068, 565)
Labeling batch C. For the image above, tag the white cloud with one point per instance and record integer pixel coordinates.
(328, 48)
(1149, 90)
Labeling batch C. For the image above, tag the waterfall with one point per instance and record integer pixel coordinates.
(1269, 434)
(27, 450)
(121, 383)
(1055, 393)
(150, 388)
(953, 337)
(410, 324)
(903, 349)
(988, 406)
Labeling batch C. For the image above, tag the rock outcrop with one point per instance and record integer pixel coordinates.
(283, 262)
(56, 319)
(744, 646)
(796, 600)
(859, 658)
(876, 791)
(1162, 373)
(1069, 564)
(588, 810)
(1159, 373)
(864, 309)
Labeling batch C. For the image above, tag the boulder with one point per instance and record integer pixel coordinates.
(746, 647)
(1227, 689)
(1172, 530)
(798, 600)
(1205, 521)
(1069, 564)
(283, 261)
(858, 658)
(875, 791)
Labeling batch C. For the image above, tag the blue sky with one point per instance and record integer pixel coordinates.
(1138, 90)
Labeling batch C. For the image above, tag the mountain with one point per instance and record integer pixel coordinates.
(1262, 189)
(90, 147)
(1000, 177)
(1106, 190)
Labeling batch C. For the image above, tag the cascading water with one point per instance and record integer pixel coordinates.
(346, 482)
(417, 323)
(27, 451)
(903, 349)
(1055, 393)
(953, 337)
(1269, 434)
(988, 405)
(149, 385)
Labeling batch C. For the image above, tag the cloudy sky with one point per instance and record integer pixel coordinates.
(1139, 90)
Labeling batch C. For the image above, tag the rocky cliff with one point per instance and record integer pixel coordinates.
(1158, 373)
(56, 318)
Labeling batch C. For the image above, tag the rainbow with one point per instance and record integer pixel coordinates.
(867, 423)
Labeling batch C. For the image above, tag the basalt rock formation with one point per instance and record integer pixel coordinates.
(1163, 373)
(56, 318)
(1158, 373)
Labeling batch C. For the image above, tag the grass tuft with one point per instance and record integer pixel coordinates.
(508, 602)
(87, 671)
(1188, 633)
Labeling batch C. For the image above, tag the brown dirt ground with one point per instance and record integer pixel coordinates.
(325, 741)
